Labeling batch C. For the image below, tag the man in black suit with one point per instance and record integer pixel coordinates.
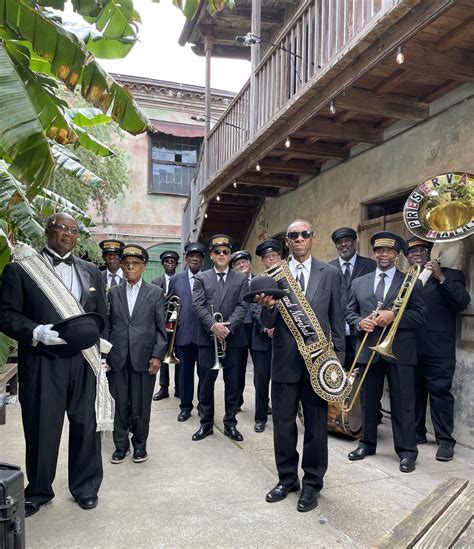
(52, 380)
(366, 294)
(220, 290)
(291, 384)
(182, 285)
(270, 253)
(240, 262)
(113, 274)
(351, 265)
(138, 336)
(169, 260)
(445, 295)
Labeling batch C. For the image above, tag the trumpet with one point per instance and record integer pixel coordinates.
(384, 346)
(173, 308)
(219, 347)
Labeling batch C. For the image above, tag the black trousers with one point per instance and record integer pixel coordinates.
(47, 390)
(133, 392)
(188, 357)
(434, 377)
(165, 372)
(285, 399)
(207, 381)
(401, 382)
(262, 364)
(243, 363)
(350, 351)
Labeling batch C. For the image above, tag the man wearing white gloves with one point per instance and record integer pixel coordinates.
(54, 378)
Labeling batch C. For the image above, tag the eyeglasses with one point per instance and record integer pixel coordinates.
(73, 231)
(225, 251)
(418, 251)
(169, 260)
(294, 235)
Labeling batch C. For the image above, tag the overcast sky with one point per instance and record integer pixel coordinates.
(158, 54)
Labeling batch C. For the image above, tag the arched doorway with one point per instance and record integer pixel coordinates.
(154, 267)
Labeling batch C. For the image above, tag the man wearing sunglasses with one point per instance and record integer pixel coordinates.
(445, 295)
(220, 290)
(169, 260)
(54, 379)
(321, 286)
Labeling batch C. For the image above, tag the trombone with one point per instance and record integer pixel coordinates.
(383, 346)
(220, 347)
(173, 308)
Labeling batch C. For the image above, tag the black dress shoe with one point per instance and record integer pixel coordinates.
(161, 394)
(233, 433)
(203, 432)
(31, 508)
(184, 415)
(360, 453)
(88, 502)
(139, 455)
(281, 491)
(259, 426)
(445, 452)
(407, 465)
(308, 500)
(119, 456)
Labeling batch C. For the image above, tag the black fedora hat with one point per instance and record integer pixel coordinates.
(263, 285)
(80, 331)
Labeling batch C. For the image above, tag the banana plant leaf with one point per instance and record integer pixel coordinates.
(67, 160)
(48, 202)
(6, 346)
(86, 117)
(190, 7)
(21, 134)
(5, 255)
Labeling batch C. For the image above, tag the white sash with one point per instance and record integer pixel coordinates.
(44, 276)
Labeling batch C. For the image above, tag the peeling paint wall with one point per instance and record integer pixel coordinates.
(333, 199)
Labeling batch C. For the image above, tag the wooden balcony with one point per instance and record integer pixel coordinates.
(329, 82)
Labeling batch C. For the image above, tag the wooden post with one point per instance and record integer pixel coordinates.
(254, 61)
(208, 52)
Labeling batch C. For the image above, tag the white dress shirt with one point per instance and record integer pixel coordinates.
(306, 270)
(192, 278)
(167, 283)
(118, 277)
(388, 279)
(225, 274)
(67, 273)
(132, 294)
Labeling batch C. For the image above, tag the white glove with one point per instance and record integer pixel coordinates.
(45, 335)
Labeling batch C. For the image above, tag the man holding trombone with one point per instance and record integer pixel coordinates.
(370, 310)
(218, 302)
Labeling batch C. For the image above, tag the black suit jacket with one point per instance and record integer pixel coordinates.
(362, 266)
(324, 296)
(362, 303)
(260, 340)
(23, 306)
(232, 306)
(160, 282)
(188, 320)
(140, 336)
(444, 301)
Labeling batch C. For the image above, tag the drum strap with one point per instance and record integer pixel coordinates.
(328, 378)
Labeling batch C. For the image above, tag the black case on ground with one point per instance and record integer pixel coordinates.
(12, 507)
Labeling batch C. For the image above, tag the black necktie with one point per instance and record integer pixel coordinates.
(347, 272)
(221, 283)
(58, 260)
(301, 276)
(113, 282)
(380, 289)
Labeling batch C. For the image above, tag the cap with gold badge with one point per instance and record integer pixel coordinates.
(111, 246)
(415, 241)
(220, 240)
(386, 239)
(134, 250)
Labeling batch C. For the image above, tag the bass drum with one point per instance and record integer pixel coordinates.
(344, 423)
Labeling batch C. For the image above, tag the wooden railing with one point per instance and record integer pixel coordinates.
(316, 35)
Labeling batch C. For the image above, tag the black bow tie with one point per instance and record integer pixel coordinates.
(58, 260)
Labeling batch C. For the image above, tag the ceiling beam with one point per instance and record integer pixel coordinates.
(454, 64)
(247, 201)
(293, 167)
(445, 88)
(268, 180)
(324, 128)
(393, 81)
(327, 151)
(389, 106)
(457, 35)
(242, 190)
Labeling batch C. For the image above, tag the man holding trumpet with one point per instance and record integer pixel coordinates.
(370, 310)
(219, 305)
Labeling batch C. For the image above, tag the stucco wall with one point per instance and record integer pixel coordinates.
(333, 199)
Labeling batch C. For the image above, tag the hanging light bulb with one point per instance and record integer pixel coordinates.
(234, 184)
(257, 167)
(400, 57)
(287, 143)
(205, 216)
(332, 107)
(218, 198)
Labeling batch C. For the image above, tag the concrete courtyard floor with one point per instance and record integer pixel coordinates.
(211, 493)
